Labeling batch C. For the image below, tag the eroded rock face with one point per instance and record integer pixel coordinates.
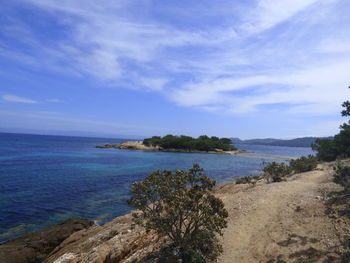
(131, 145)
(34, 247)
(117, 241)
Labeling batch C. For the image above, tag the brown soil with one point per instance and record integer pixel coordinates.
(284, 222)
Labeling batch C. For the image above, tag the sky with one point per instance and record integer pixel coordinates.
(229, 68)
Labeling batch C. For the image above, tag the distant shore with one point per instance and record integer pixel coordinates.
(251, 154)
(139, 146)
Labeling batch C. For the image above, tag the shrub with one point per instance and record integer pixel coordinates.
(276, 172)
(342, 176)
(248, 179)
(303, 164)
(180, 206)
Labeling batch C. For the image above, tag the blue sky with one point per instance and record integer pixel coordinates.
(249, 69)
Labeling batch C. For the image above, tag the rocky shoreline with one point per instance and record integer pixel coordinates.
(36, 246)
(291, 221)
(139, 146)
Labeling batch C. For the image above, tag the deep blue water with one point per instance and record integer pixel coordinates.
(47, 179)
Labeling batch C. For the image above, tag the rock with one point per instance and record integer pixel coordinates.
(130, 145)
(106, 146)
(117, 241)
(35, 246)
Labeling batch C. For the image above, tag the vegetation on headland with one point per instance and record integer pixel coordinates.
(181, 207)
(202, 143)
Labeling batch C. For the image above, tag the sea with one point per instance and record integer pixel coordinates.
(46, 179)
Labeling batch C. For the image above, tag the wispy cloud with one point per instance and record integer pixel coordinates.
(55, 100)
(289, 56)
(14, 98)
(269, 13)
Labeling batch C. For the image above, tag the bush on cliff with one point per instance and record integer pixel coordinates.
(250, 179)
(276, 172)
(303, 164)
(342, 176)
(180, 206)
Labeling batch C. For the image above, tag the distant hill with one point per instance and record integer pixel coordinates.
(298, 142)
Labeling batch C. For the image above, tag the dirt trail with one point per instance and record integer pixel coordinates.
(282, 222)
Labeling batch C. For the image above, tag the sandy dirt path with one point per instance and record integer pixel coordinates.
(281, 222)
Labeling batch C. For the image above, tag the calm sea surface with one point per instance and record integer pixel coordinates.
(47, 179)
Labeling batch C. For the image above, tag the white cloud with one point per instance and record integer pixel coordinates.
(315, 90)
(334, 45)
(235, 67)
(14, 98)
(269, 13)
(153, 84)
(102, 36)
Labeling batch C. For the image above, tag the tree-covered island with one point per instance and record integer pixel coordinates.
(182, 143)
(202, 143)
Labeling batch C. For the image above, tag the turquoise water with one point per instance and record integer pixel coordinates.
(47, 179)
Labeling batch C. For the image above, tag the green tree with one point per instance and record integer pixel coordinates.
(326, 149)
(339, 146)
(180, 205)
(346, 106)
(225, 141)
(202, 143)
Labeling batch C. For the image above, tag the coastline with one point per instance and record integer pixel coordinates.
(139, 146)
(251, 154)
(294, 210)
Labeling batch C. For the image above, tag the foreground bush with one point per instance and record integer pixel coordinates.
(303, 164)
(180, 206)
(276, 172)
(342, 176)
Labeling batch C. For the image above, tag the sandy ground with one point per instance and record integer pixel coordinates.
(282, 222)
